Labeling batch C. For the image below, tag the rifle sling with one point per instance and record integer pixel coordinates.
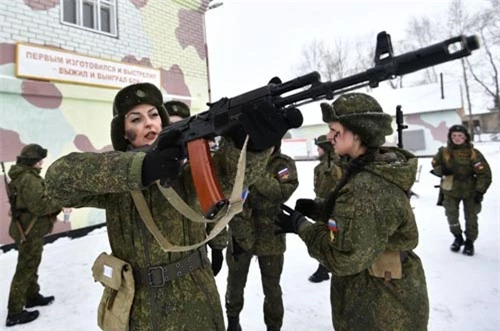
(30, 225)
(24, 233)
(234, 207)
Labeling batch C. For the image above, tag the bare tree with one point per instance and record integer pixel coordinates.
(487, 24)
(458, 21)
(421, 32)
(332, 62)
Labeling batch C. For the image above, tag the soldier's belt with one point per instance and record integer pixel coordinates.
(158, 276)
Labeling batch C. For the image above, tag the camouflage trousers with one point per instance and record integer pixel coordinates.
(25, 281)
(451, 206)
(271, 267)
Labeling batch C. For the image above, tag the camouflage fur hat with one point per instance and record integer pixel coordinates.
(31, 154)
(323, 142)
(361, 114)
(177, 108)
(459, 128)
(126, 99)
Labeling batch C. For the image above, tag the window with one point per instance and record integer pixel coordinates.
(414, 140)
(96, 15)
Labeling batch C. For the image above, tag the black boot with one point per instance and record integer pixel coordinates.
(319, 275)
(469, 247)
(39, 300)
(459, 241)
(22, 318)
(233, 323)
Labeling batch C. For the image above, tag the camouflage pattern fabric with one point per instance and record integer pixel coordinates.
(274, 187)
(104, 180)
(271, 267)
(471, 173)
(33, 203)
(372, 214)
(326, 174)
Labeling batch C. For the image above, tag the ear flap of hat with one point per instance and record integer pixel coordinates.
(327, 112)
(370, 127)
(118, 134)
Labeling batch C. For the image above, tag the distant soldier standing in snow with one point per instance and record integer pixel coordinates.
(253, 235)
(365, 230)
(35, 214)
(326, 175)
(466, 177)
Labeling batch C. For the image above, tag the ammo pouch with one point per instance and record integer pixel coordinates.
(118, 280)
(447, 183)
(387, 266)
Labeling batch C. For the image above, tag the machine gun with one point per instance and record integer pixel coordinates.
(223, 115)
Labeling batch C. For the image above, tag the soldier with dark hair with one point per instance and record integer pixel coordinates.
(35, 215)
(174, 290)
(326, 175)
(253, 235)
(365, 230)
(466, 177)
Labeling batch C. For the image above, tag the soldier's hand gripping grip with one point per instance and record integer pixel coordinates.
(205, 181)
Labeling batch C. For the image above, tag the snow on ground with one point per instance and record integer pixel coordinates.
(463, 290)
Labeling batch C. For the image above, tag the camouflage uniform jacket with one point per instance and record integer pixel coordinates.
(470, 170)
(32, 202)
(104, 180)
(326, 175)
(373, 214)
(274, 187)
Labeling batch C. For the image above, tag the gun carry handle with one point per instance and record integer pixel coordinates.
(205, 182)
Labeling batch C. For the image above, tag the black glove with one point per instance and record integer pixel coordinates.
(478, 197)
(445, 171)
(434, 173)
(164, 160)
(289, 220)
(265, 125)
(305, 206)
(217, 259)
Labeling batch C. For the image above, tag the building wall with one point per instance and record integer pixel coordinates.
(64, 117)
(433, 128)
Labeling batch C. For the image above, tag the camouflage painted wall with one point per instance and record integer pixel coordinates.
(163, 34)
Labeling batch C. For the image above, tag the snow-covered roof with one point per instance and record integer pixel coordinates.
(419, 99)
(413, 100)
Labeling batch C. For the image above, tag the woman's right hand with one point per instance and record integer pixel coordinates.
(164, 160)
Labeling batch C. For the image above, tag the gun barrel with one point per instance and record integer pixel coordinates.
(448, 50)
(389, 67)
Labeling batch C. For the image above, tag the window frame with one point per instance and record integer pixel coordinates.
(98, 5)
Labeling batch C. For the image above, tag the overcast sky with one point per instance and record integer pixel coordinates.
(249, 42)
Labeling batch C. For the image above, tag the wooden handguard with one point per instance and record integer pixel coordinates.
(205, 182)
